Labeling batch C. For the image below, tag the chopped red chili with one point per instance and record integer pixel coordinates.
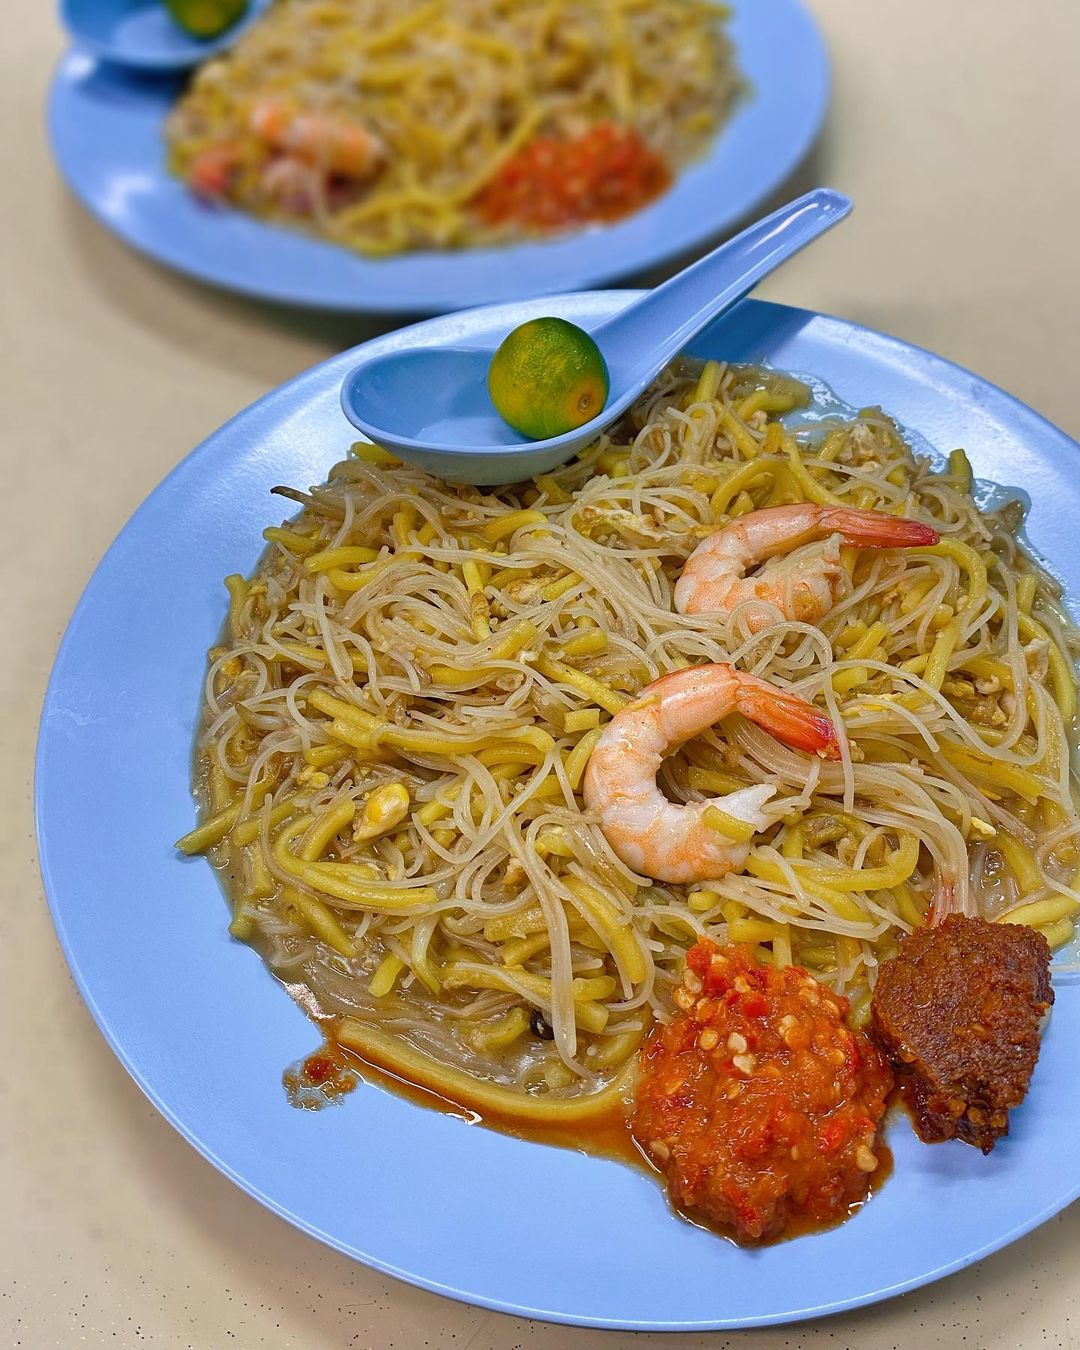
(757, 1101)
(554, 182)
(319, 1078)
(318, 1068)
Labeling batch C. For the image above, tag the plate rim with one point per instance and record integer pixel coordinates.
(577, 278)
(832, 326)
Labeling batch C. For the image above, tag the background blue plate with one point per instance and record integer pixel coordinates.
(206, 1031)
(105, 127)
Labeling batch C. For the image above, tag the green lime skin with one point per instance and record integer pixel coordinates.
(548, 377)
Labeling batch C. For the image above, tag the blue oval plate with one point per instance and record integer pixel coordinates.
(205, 1030)
(106, 132)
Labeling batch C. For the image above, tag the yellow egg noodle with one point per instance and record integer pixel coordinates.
(398, 718)
(450, 89)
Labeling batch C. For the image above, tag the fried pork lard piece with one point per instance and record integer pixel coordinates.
(958, 1012)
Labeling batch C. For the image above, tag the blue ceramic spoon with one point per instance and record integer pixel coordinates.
(141, 34)
(430, 405)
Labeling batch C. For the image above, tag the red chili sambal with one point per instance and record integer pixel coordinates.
(321, 1078)
(757, 1102)
(555, 182)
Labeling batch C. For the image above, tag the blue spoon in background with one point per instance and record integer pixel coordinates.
(430, 405)
(143, 36)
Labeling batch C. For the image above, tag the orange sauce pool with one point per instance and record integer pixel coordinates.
(333, 1071)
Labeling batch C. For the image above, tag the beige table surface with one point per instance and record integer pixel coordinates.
(954, 126)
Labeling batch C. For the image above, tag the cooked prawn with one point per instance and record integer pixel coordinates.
(802, 583)
(660, 838)
(293, 183)
(338, 147)
(212, 170)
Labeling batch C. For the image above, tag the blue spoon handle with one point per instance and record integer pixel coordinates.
(645, 336)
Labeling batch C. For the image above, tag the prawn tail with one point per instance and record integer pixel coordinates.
(269, 120)
(943, 901)
(876, 529)
(787, 717)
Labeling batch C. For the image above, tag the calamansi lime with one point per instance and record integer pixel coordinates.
(547, 377)
(206, 18)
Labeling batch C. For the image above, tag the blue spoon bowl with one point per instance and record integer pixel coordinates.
(430, 405)
(142, 35)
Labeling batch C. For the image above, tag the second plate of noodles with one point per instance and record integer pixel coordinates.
(433, 726)
(449, 123)
(435, 156)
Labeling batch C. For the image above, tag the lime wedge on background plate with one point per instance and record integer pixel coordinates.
(206, 18)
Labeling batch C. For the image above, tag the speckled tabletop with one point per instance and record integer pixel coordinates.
(954, 128)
